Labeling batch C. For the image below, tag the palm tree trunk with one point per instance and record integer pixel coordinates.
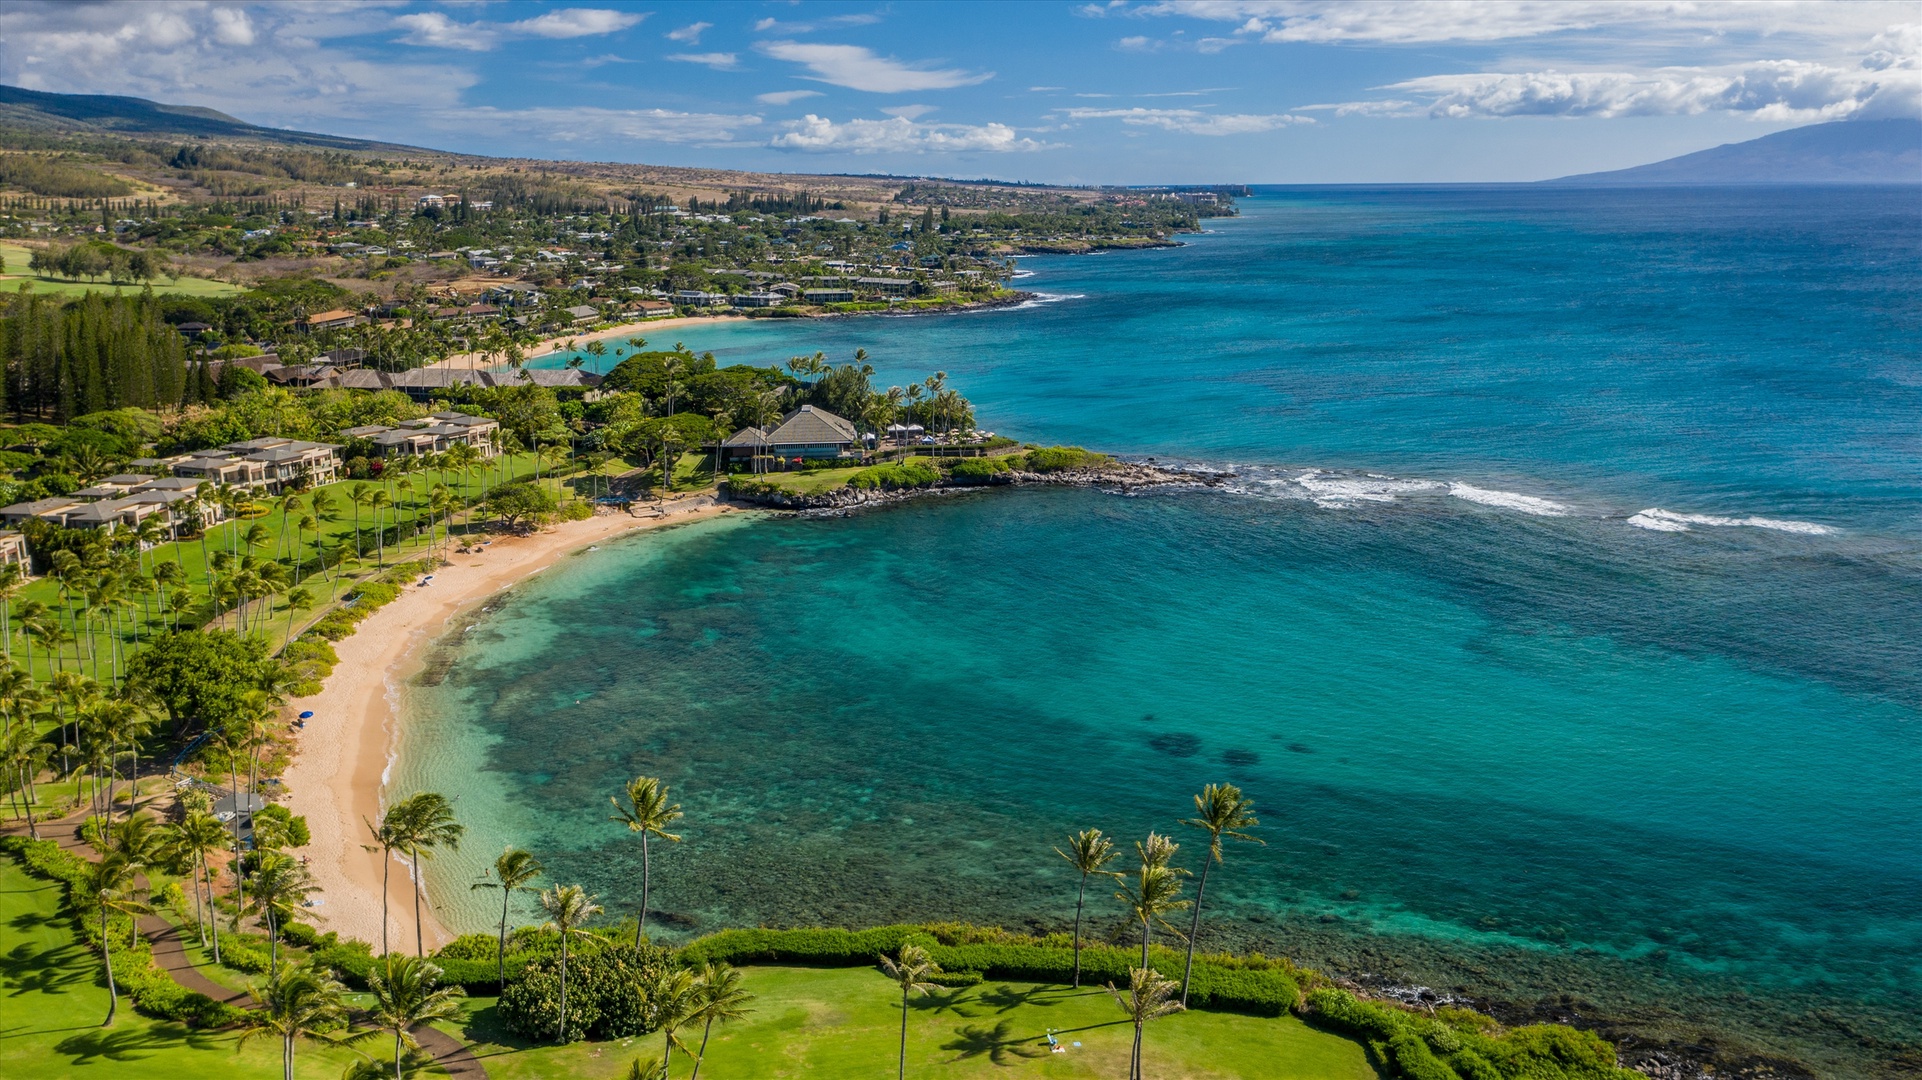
(500, 957)
(106, 950)
(1079, 896)
(1146, 927)
(1134, 1064)
(641, 924)
(419, 948)
(397, 1053)
(1194, 927)
(561, 1035)
(386, 864)
(698, 1058)
(902, 1072)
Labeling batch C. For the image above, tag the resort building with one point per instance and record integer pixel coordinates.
(272, 463)
(805, 433)
(886, 286)
(828, 296)
(174, 501)
(331, 320)
(13, 550)
(431, 435)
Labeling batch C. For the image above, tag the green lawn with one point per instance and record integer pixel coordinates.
(816, 1022)
(812, 482)
(52, 1002)
(18, 275)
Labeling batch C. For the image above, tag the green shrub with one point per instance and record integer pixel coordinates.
(1263, 988)
(980, 470)
(1059, 458)
(1412, 1043)
(576, 510)
(913, 474)
(606, 993)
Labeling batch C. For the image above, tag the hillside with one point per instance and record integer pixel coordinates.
(94, 114)
(1844, 152)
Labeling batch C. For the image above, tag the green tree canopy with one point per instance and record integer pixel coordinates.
(201, 676)
(519, 501)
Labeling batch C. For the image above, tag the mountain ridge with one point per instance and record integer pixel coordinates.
(1839, 152)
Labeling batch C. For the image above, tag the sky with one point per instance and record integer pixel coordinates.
(1119, 91)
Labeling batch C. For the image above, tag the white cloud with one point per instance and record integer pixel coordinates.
(900, 135)
(719, 61)
(1137, 43)
(786, 97)
(1194, 121)
(576, 22)
(190, 54)
(1776, 90)
(1408, 22)
(592, 124)
(232, 27)
(690, 34)
(434, 29)
(858, 68)
(909, 112)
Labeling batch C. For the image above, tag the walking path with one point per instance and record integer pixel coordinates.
(170, 953)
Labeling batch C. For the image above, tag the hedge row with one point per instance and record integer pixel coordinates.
(1421, 1047)
(913, 474)
(151, 990)
(367, 598)
(1261, 991)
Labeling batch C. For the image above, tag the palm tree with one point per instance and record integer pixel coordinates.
(197, 836)
(647, 812)
(513, 869)
(424, 823)
(910, 972)
(568, 909)
(379, 500)
(280, 885)
(299, 1002)
(1222, 811)
(721, 999)
(386, 841)
(1156, 890)
(357, 495)
(1089, 852)
(1146, 999)
(409, 996)
(109, 884)
(672, 1000)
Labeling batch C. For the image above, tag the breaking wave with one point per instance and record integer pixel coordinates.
(1508, 500)
(1656, 519)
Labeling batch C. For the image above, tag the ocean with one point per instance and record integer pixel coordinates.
(1563, 620)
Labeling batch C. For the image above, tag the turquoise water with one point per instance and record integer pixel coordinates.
(1563, 620)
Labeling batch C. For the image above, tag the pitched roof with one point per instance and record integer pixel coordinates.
(747, 436)
(809, 426)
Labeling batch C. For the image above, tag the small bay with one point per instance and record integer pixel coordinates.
(1563, 619)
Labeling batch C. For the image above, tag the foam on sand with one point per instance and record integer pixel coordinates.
(1656, 519)
(1508, 500)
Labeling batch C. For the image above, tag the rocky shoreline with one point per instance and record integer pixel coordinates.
(1122, 475)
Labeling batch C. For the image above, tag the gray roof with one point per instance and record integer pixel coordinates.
(365, 431)
(127, 479)
(363, 379)
(38, 506)
(172, 483)
(747, 436)
(809, 426)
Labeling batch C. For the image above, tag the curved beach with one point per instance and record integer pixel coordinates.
(339, 770)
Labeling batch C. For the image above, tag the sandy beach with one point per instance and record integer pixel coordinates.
(651, 329)
(337, 772)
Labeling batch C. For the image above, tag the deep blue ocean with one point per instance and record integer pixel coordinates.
(1564, 619)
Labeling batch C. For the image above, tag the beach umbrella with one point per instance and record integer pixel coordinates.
(308, 715)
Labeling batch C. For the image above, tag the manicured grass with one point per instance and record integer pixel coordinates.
(17, 274)
(808, 483)
(812, 1022)
(52, 1001)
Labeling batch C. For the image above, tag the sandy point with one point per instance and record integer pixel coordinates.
(649, 329)
(338, 774)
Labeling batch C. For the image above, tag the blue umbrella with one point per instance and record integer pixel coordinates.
(307, 716)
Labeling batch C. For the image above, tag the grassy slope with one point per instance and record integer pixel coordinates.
(52, 1002)
(18, 275)
(845, 1022)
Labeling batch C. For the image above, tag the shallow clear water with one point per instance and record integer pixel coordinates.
(1510, 729)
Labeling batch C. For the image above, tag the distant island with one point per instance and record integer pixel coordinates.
(1844, 152)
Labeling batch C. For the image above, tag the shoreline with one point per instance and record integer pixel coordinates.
(474, 361)
(343, 757)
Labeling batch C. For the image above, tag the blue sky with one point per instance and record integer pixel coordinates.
(1255, 91)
